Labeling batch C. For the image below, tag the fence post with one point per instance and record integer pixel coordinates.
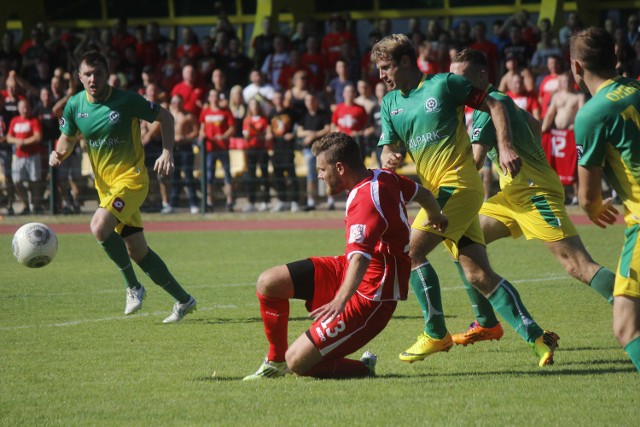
(203, 176)
(53, 178)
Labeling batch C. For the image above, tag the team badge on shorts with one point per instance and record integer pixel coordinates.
(579, 150)
(118, 204)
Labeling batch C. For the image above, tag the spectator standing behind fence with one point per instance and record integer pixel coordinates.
(315, 124)
(336, 86)
(333, 40)
(294, 97)
(254, 130)
(151, 137)
(351, 118)
(190, 92)
(276, 61)
(216, 128)
(523, 99)
(558, 139)
(43, 111)
(6, 157)
(259, 89)
(374, 130)
(281, 132)
(236, 64)
(317, 63)
(25, 134)
(186, 130)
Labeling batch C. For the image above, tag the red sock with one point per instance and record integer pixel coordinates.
(275, 316)
(338, 368)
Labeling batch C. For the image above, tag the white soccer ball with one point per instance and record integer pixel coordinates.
(34, 245)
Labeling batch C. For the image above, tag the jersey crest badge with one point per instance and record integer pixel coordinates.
(114, 117)
(356, 233)
(432, 105)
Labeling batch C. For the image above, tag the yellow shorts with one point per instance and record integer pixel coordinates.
(541, 217)
(124, 203)
(626, 283)
(461, 206)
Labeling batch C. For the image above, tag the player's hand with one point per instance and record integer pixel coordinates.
(438, 222)
(390, 160)
(510, 161)
(164, 164)
(328, 312)
(606, 215)
(55, 158)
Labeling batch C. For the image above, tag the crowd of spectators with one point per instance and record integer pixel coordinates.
(291, 91)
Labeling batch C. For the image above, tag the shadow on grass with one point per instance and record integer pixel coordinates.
(554, 371)
(226, 321)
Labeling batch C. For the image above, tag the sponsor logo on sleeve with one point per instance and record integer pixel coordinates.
(63, 122)
(476, 133)
(118, 204)
(579, 150)
(356, 233)
(114, 117)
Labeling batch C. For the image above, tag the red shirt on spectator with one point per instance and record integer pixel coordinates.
(191, 51)
(317, 64)
(190, 95)
(216, 122)
(255, 128)
(350, 118)
(548, 86)
(490, 50)
(526, 101)
(332, 43)
(24, 128)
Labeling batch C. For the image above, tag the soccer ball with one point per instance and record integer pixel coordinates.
(34, 245)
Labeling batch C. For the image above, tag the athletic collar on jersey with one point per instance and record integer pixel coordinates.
(103, 100)
(422, 79)
(607, 83)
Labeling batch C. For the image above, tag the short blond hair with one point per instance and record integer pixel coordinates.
(394, 47)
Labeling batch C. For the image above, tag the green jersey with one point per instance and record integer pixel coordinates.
(607, 132)
(429, 122)
(536, 175)
(111, 129)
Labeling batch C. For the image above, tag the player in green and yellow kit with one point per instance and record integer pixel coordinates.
(607, 131)
(109, 121)
(425, 115)
(532, 203)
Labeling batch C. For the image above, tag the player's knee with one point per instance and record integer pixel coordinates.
(267, 281)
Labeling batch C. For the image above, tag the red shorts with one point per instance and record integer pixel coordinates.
(361, 320)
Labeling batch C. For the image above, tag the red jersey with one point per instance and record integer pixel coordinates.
(20, 127)
(525, 101)
(318, 65)
(376, 226)
(190, 95)
(560, 147)
(331, 45)
(548, 86)
(216, 122)
(254, 128)
(350, 118)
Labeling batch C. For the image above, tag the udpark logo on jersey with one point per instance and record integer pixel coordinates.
(356, 233)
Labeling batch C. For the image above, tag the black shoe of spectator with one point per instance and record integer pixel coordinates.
(331, 207)
(229, 207)
(10, 211)
(309, 208)
(25, 211)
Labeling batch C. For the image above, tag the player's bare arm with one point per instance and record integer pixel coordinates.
(391, 156)
(435, 218)
(63, 149)
(509, 159)
(358, 265)
(479, 153)
(600, 212)
(164, 164)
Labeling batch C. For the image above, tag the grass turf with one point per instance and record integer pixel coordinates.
(70, 357)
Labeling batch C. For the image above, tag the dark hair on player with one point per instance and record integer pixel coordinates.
(595, 49)
(339, 147)
(94, 59)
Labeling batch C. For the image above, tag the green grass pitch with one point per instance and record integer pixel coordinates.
(69, 357)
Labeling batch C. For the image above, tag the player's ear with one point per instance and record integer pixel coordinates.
(340, 167)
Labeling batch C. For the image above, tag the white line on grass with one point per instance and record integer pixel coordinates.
(230, 306)
(109, 319)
